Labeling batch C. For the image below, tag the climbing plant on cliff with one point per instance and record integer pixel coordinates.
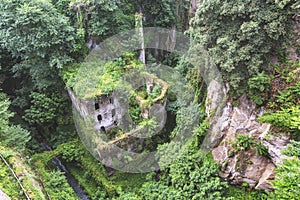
(241, 35)
(284, 106)
(287, 179)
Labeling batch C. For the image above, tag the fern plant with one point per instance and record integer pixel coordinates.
(244, 142)
(261, 149)
(288, 118)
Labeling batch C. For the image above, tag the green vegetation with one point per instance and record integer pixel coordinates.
(293, 149)
(258, 85)
(245, 142)
(43, 109)
(245, 194)
(284, 103)
(43, 46)
(101, 78)
(8, 184)
(89, 172)
(16, 167)
(135, 110)
(284, 115)
(11, 135)
(286, 183)
(192, 176)
(243, 51)
(288, 118)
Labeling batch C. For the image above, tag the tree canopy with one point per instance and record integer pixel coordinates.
(242, 36)
(44, 45)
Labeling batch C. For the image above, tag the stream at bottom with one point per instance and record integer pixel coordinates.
(71, 180)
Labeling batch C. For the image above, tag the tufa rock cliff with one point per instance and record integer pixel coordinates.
(245, 165)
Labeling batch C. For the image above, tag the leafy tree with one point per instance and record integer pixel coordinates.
(16, 137)
(51, 115)
(191, 176)
(43, 109)
(38, 34)
(5, 114)
(159, 191)
(34, 30)
(94, 19)
(38, 41)
(197, 178)
(159, 13)
(11, 135)
(241, 35)
(57, 185)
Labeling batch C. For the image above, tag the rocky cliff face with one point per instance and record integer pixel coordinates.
(294, 51)
(245, 165)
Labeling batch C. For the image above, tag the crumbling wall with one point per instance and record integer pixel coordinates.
(111, 110)
(105, 110)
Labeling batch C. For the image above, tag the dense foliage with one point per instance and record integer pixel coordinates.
(284, 102)
(245, 142)
(43, 45)
(244, 50)
(11, 135)
(286, 183)
(38, 37)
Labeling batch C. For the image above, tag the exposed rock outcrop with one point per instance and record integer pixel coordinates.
(246, 166)
(293, 51)
(239, 166)
(3, 196)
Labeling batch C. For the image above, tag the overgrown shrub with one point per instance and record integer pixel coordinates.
(192, 176)
(258, 85)
(287, 179)
(288, 118)
(241, 35)
(246, 142)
